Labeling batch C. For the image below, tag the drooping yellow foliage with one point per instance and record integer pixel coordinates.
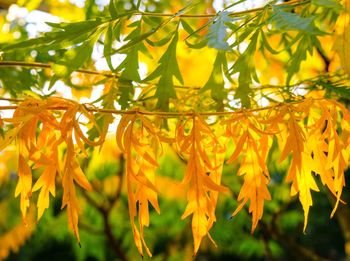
(314, 134)
(42, 151)
(25, 120)
(254, 144)
(201, 175)
(315, 147)
(46, 183)
(71, 170)
(143, 142)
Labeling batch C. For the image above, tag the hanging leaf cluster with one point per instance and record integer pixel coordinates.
(312, 133)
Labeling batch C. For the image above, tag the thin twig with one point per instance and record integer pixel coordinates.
(169, 114)
(105, 211)
(91, 229)
(238, 13)
(48, 66)
(143, 84)
(112, 240)
(92, 201)
(140, 84)
(120, 173)
(11, 99)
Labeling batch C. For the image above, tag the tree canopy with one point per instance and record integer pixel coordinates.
(216, 82)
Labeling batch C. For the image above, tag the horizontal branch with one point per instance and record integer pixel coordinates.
(48, 66)
(164, 114)
(238, 13)
(115, 75)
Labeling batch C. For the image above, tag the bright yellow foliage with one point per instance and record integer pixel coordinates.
(201, 174)
(254, 144)
(140, 178)
(314, 133)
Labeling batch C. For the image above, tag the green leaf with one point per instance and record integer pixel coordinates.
(215, 83)
(245, 66)
(305, 46)
(2, 133)
(117, 27)
(186, 26)
(74, 58)
(107, 47)
(328, 4)
(135, 41)
(342, 91)
(243, 36)
(266, 44)
(130, 66)
(17, 80)
(126, 93)
(169, 61)
(217, 31)
(201, 41)
(168, 67)
(243, 93)
(66, 35)
(294, 22)
(152, 21)
(198, 45)
(160, 42)
(77, 26)
(112, 9)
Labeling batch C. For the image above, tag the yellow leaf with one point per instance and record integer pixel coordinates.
(72, 173)
(203, 188)
(46, 183)
(132, 139)
(342, 47)
(294, 143)
(24, 185)
(70, 200)
(256, 177)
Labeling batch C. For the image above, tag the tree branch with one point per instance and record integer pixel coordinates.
(112, 240)
(165, 114)
(234, 14)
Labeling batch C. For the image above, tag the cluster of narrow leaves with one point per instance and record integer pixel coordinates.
(254, 144)
(140, 145)
(39, 150)
(202, 174)
(314, 134)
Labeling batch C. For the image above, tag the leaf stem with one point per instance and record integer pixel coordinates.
(238, 13)
(140, 84)
(170, 114)
(48, 66)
